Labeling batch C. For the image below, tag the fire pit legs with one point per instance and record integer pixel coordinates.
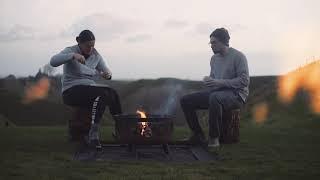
(132, 148)
(166, 148)
(176, 153)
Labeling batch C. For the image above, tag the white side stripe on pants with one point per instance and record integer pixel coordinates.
(94, 109)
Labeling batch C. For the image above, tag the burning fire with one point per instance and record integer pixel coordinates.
(145, 129)
(142, 114)
(306, 78)
(37, 91)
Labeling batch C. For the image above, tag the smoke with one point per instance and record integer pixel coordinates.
(169, 105)
(48, 70)
(157, 97)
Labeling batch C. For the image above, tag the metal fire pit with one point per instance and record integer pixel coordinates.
(158, 129)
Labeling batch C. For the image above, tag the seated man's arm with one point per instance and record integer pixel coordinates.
(103, 69)
(63, 57)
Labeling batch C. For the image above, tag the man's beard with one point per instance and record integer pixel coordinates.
(215, 51)
(86, 56)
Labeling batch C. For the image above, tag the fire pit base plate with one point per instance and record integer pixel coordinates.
(116, 152)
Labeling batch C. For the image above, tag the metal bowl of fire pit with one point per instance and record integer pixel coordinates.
(152, 129)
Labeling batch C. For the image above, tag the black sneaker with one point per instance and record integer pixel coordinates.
(115, 135)
(196, 139)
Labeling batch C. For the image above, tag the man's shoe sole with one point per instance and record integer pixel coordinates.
(213, 146)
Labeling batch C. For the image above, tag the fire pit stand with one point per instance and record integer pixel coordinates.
(179, 152)
(133, 148)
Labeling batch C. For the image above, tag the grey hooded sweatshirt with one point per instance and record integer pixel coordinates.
(75, 73)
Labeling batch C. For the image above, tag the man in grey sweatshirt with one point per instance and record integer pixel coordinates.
(82, 64)
(227, 88)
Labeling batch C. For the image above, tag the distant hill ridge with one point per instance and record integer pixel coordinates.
(148, 94)
(145, 93)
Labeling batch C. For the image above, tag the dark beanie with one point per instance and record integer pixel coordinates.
(84, 36)
(221, 34)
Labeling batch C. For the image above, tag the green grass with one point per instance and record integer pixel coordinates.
(269, 151)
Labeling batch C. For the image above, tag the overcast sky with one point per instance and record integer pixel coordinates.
(160, 38)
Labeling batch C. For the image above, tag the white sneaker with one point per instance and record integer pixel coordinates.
(94, 132)
(213, 142)
(93, 139)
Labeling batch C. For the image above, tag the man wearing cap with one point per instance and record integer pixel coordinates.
(227, 87)
(82, 65)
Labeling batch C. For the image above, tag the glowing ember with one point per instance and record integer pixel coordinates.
(260, 112)
(145, 129)
(306, 78)
(37, 91)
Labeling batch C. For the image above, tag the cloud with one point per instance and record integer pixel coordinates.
(17, 32)
(104, 25)
(203, 28)
(237, 27)
(172, 23)
(138, 38)
(206, 28)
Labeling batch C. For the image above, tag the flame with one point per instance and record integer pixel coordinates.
(37, 91)
(145, 129)
(142, 114)
(260, 112)
(306, 78)
(144, 126)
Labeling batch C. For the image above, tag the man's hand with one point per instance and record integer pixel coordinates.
(79, 58)
(212, 83)
(106, 75)
(207, 78)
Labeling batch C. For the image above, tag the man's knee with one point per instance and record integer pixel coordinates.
(185, 100)
(215, 98)
(111, 94)
(101, 99)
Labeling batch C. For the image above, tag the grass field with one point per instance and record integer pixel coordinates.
(286, 149)
(285, 146)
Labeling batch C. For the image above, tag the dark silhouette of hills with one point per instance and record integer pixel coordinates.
(160, 96)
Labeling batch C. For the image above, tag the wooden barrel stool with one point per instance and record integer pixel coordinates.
(79, 124)
(230, 126)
